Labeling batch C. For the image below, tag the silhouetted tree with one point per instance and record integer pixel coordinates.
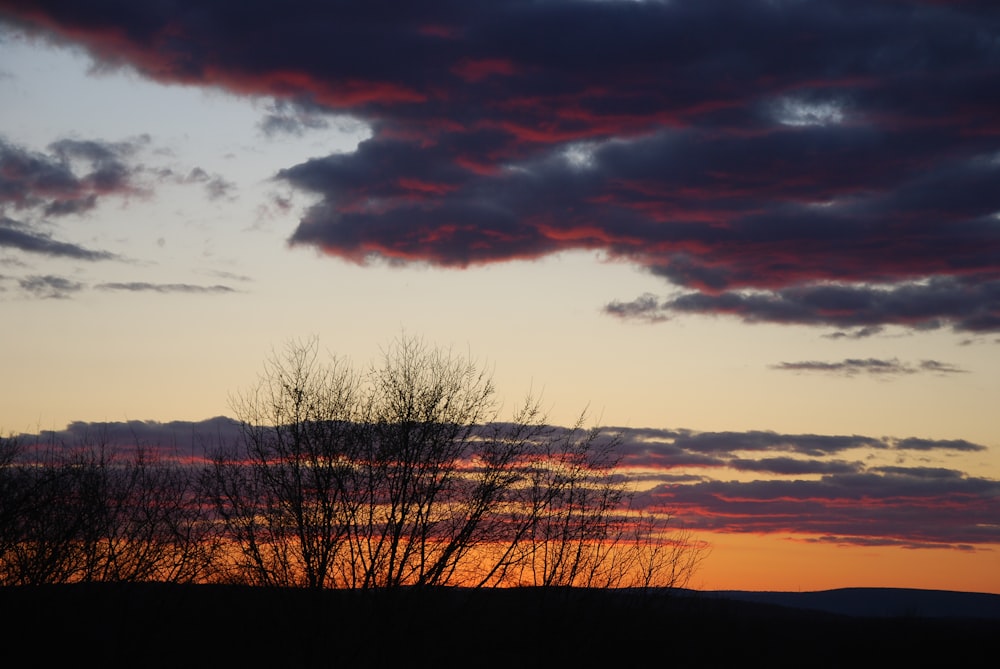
(425, 499)
(287, 492)
(144, 519)
(403, 475)
(46, 522)
(90, 512)
(11, 498)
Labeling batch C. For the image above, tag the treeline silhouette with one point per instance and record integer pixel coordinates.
(400, 474)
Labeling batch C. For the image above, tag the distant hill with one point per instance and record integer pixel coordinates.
(170, 626)
(878, 602)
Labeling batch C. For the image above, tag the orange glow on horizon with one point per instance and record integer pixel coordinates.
(784, 563)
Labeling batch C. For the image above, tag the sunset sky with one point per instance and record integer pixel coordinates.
(760, 239)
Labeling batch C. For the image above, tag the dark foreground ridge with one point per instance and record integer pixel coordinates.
(154, 625)
(880, 602)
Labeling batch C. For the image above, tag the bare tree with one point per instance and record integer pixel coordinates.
(145, 521)
(424, 505)
(46, 519)
(285, 492)
(661, 556)
(404, 475)
(91, 512)
(12, 499)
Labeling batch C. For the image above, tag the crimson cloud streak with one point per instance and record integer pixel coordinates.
(832, 164)
(815, 488)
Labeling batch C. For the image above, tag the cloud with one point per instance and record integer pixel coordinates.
(878, 542)
(898, 507)
(231, 276)
(872, 366)
(216, 186)
(802, 163)
(859, 333)
(58, 287)
(794, 466)
(806, 489)
(915, 444)
(671, 449)
(17, 235)
(190, 440)
(69, 179)
(50, 287)
(645, 307)
(145, 287)
(966, 304)
(803, 487)
(285, 118)
(940, 367)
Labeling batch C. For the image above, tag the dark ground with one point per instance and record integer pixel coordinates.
(151, 625)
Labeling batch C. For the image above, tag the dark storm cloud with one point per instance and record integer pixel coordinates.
(871, 366)
(814, 163)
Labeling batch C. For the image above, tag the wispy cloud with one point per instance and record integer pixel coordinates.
(871, 366)
(799, 163)
(283, 118)
(216, 186)
(669, 449)
(145, 287)
(17, 235)
(50, 287)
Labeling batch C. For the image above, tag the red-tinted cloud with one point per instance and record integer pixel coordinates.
(911, 507)
(803, 485)
(758, 154)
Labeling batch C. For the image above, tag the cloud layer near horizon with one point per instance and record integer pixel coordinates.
(817, 488)
(829, 164)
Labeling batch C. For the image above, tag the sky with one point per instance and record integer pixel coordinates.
(759, 241)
